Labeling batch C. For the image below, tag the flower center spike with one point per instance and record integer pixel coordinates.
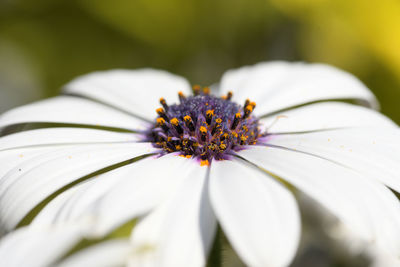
(204, 126)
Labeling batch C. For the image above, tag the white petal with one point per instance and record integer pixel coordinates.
(113, 253)
(63, 136)
(29, 183)
(258, 215)
(64, 204)
(373, 152)
(180, 231)
(279, 85)
(81, 202)
(136, 91)
(367, 207)
(141, 187)
(70, 110)
(11, 158)
(118, 196)
(37, 247)
(325, 115)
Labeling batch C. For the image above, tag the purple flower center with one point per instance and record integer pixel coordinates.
(204, 127)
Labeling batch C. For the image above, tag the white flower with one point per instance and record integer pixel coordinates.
(342, 155)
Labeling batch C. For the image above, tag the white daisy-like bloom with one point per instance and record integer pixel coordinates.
(141, 144)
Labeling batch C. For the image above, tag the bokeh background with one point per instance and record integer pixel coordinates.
(45, 43)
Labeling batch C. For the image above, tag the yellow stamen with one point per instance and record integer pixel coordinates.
(209, 116)
(249, 108)
(175, 121)
(196, 89)
(160, 121)
(181, 95)
(224, 136)
(204, 162)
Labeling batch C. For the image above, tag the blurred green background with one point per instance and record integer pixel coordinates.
(45, 43)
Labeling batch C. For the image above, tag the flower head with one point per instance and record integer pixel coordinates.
(204, 126)
(181, 163)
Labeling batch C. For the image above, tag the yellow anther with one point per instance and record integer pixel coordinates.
(178, 147)
(235, 134)
(253, 104)
(204, 162)
(182, 97)
(203, 130)
(219, 120)
(238, 115)
(160, 110)
(209, 116)
(222, 146)
(224, 136)
(160, 121)
(188, 156)
(206, 90)
(174, 121)
(187, 118)
(196, 89)
(249, 108)
(243, 138)
(163, 103)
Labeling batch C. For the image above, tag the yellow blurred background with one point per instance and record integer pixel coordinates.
(45, 43)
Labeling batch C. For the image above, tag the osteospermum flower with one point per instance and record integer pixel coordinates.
(143, 144)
